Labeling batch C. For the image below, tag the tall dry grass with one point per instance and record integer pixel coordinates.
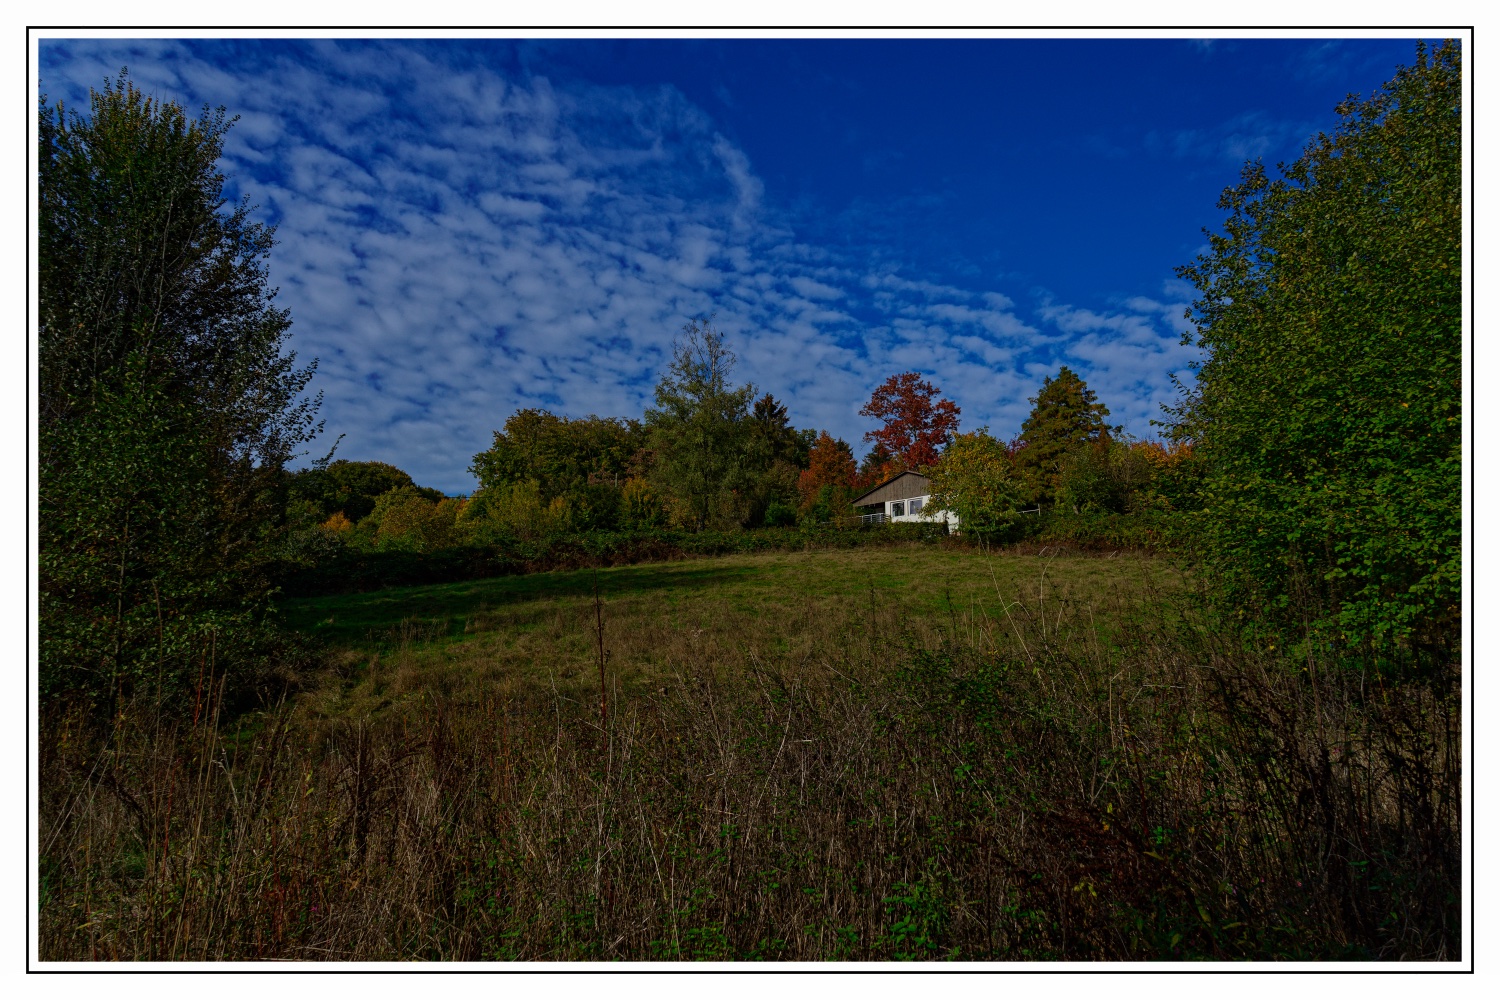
(1026, 779)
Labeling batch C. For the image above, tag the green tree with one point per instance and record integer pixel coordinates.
(408, 518)
(1108, 476)
(776, 453)
(586, 461)
(1327, 413)
(773, 438)
(1065, 416)
(349, 487)
(700, 429)
(168, 405)
(975, 479)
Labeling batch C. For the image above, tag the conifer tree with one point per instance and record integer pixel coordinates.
(1065, 416)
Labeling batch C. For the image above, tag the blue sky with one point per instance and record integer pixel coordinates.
(470, 227)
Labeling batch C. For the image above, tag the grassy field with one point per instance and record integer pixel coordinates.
(659, 618)
(922, 753)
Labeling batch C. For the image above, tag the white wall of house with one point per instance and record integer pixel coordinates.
(919, 510)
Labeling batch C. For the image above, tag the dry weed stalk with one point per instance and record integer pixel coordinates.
(1042, 789)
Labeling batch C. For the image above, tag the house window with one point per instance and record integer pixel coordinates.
(916, 505)
(898, 508)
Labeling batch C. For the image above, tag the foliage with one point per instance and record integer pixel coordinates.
(773, 438)
(560, 455)
(1327, 414)
(1109, 476)
(407, 518)
(337, 523)
(521, 510)
(1065, 416)
(916, 423)
(168, 405)
(975, 479)
(700, 431)
(640, 507)
(878, 465)
(1101, 531)
(776, 453)
(829, 478)
(349, 487)
(495, 551)
(546, 473)
(780, 515)
(1173, 472)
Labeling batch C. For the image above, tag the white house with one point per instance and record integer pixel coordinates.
(905, 497)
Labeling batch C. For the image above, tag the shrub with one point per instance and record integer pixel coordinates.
(1328, 413)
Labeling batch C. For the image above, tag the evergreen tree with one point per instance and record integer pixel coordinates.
(776, 454)
(772, 436)
(878, 465)
(1065, 416)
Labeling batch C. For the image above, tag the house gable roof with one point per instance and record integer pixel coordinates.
(902, 486)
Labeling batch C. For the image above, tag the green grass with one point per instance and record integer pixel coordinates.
(924, 581)
(900, 753)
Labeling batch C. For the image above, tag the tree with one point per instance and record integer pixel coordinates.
(877, 466)
(562, 455)
(975, 479)
(168, 406)
(1327, 413)
(1108, 476)
(830, 476)
(349, 487)
(773, 438)
(583, 462)
(1065, 416)
(699, 428)
(1171, 477)
(916, 423)
(409, 519)
(776, 454)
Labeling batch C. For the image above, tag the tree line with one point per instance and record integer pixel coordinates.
(1314, 461)
(708, 458)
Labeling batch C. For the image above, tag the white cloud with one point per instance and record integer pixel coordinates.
(455, 244)
(811, 289)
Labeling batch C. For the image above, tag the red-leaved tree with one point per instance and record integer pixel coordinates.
(917, 423)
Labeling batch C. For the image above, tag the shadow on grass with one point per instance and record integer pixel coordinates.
(441, 611)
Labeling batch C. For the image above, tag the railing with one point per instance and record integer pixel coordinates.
(859, 521)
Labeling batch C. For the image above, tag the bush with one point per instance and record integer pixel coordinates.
(345, 568)
(1328, 415)
(781, 515)
(1099, 531)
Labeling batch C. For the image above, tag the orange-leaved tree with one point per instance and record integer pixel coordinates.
(917, 424)
(828, 481)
